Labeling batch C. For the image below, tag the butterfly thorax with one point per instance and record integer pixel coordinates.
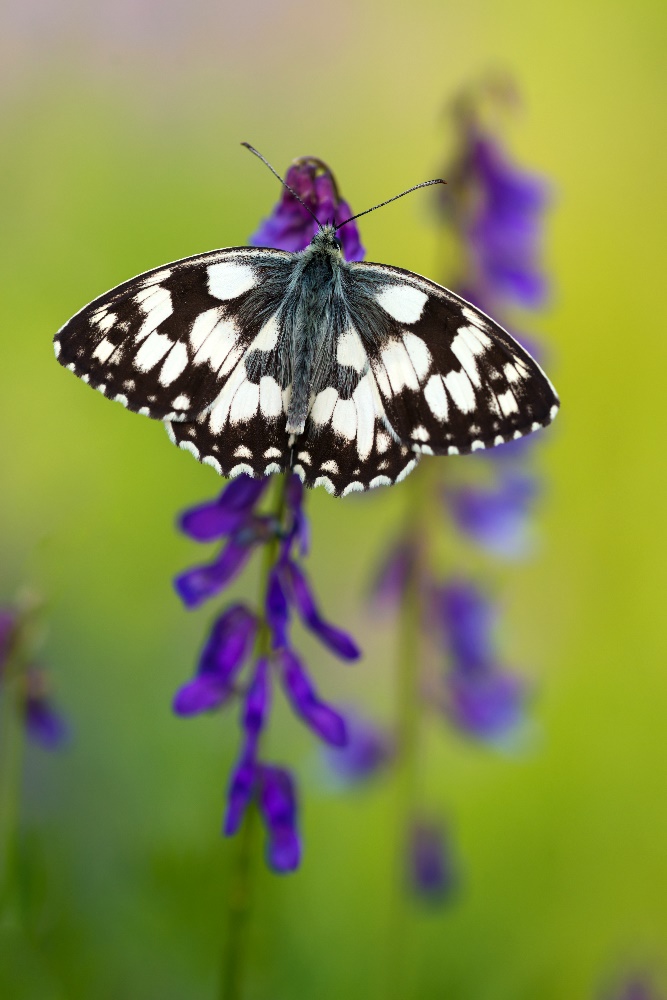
(313, 308)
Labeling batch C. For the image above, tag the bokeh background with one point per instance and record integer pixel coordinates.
(121, 125)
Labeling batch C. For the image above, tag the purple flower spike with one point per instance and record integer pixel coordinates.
(328, 724)
(279, 809)
(201, 582)
(506, 233)
(486, 706)
(291, 227)
(368, 749)
(226, 514)
(335, 639)
(431, 872)
(467, 618)
(496, 518)
(277, 610)
(241, 789)
(221, 659)
(389, 585)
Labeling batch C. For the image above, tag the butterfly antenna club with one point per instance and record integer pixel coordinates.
(437, 180)
(283, 182)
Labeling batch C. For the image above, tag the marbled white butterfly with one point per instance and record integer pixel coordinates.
(259, 360)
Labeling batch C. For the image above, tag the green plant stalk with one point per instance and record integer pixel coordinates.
(239, 900)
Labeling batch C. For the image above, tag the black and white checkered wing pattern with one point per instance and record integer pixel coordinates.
(166, 343)
(450, 379)
(418, 371)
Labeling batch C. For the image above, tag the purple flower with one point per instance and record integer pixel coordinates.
(388, 588)
(44, 723)
(486, 705)
(324, 721)
(496, 517)
(291, 227)
(431, 871)
(279, 810)
(201, 582)
(368, 749)
(224, 516)
(636, 987)
(301, 595)
(222, 657)
(467, 620)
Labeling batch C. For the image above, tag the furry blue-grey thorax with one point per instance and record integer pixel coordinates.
(260, 361)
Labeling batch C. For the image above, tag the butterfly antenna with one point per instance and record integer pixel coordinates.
(423, 184)
(283, 182)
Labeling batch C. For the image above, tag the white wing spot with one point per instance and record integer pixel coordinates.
(152, 350)
(104, 350)
(474, 317)
(420, 434)
(460, 389)
(461, 350)
(398, 366)
(213, 462)
(436, 397)
(324, 405)
(365, 406)
(406, 471)
(477, 446)
(344, 420)
(272, 452)
(330, 466)
(230, 279)
(189, 446)
(553, 411)
(382, 442)
(181, 402)
(507, 403)
(155, 279)
(242, 452)
(511, 373)
(452, 450)
(120, 398)
(267, 338)
(174, 364)
(418, 353)
(499, 439)
(403, 302)
(106, 322)
(270, 397)
(324, 481)
(239, 470)
(350, 351)
(379, 481)
(353, 487)
(300, 472)
(271, 468)
(304, 456)
(245, 403)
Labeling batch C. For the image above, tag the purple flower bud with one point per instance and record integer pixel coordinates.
(496, 518)
(226, 514)
(391, 580)
(430, 868)
(467, 619)
(44, 724)
(221, 659)
(485, 705)
(201, 582)
(291, 227)
(324, 721)
(335, 639)
(241, 788)
(277, 609)
(299, 532)
(368, 749)
(279, 808)
(257, 700)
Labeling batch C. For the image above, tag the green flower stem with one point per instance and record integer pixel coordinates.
(239, 900)
(409, 644)
(12, 739)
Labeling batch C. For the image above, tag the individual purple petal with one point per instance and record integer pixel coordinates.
(201, 582)
(467, 618)
(241, 788)
(291, 226)
(430, 868)
(389, 585)
(230, 640)
(496, 517)
(327, 723)
(226, 514)
(368, 749)
(299, 531)
(486, 705)
(203, 693)
(335, 639)
(277, 609)
(279, 809)
(257, 700)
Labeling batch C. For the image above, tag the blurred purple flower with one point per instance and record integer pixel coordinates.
(636, 987)
(368, 749)
(44, 723)
(496, 516)
(388, 587)
(431, 871)
(324, 721)
(278, 806)
(291, 227)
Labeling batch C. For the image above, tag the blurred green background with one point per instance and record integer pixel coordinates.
(121, 126)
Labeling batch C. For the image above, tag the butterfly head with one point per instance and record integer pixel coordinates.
(325, 241)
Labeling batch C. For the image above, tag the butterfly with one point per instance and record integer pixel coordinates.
(259, 360)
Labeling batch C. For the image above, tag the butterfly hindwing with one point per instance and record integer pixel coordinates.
(450, 379)
(165, 342)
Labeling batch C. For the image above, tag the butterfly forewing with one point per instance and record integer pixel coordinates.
(165, 343)
(450, 379)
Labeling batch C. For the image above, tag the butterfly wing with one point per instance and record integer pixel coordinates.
(418, 370)
(166, 343)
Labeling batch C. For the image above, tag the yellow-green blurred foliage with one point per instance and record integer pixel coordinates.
(121, 125)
